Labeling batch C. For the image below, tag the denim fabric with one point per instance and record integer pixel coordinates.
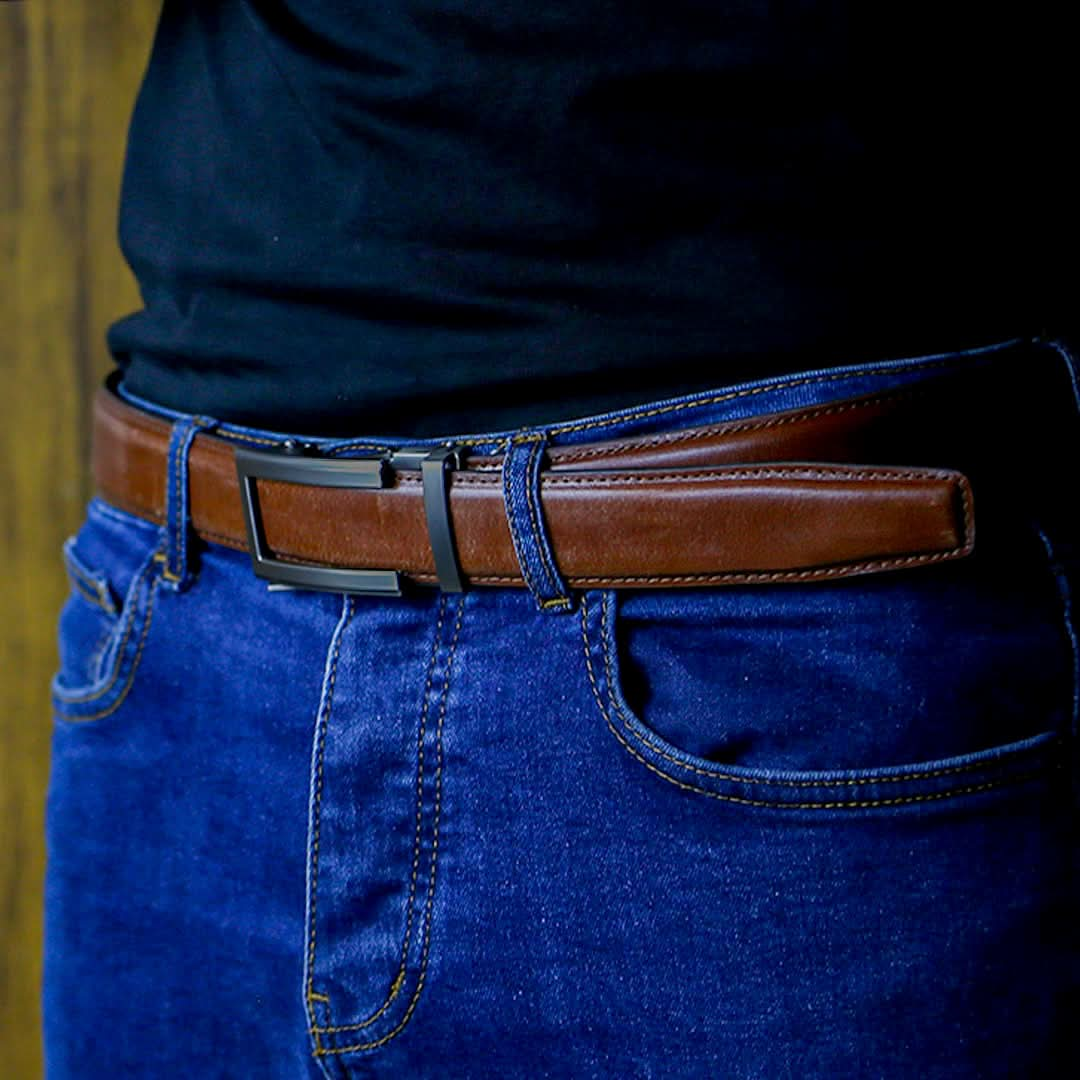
(774, 830)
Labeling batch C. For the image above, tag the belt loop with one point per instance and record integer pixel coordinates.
(524, 513)
(1065, 352)
(177, 573)
(1063, 554)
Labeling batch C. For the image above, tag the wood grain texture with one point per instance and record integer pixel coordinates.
(69, 72)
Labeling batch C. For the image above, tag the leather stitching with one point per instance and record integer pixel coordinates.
(600, 478)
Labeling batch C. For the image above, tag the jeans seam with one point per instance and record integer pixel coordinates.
(399, 978)
(323, 726)
(94, 663)
(324, 1051)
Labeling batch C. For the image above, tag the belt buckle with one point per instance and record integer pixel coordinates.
(297, 463)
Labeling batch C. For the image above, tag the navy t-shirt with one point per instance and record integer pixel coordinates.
(419, 217)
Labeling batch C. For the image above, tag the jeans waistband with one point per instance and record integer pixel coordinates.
(723, 403)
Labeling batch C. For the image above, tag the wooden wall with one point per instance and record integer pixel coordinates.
(69, 71)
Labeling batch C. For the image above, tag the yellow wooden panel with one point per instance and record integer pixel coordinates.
(69, 71)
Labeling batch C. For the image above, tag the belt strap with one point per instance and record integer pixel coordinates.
(766, 500)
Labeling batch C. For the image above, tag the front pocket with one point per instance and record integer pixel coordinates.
(882, 692)
(113, 565)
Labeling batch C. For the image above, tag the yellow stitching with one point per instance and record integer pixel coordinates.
(153, 515)
(838, 570)
(399, 978)
(558, 601)
(94, 597)
(360, 445)
(224, 433)
(584, 451)
(751, 780)
(795, 806)
(434, 861)
(81, 699)
(607, 422)
(351, 611)
(969, 510)
(778, 471)
(100, 507)
(434, 858)
(160, 557)
(608, 649)
(731, 395)
(522, 555)
(97, 654)
(836, 473)
(732, 427)
(180, 495)
(534, 519)
(91, 590)
(533, 452)
(318, 997)
(178, 536)
(131, 674)
(719, 774)
(734, 577)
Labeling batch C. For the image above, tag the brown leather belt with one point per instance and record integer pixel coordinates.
(776, 498)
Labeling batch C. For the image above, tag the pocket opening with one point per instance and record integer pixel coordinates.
(855, 786)
(114, 566)
(93, 586)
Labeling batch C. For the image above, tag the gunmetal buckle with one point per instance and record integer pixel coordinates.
(296, 464)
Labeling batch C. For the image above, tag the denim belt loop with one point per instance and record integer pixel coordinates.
(1061, 549)
(177, 573)
(522, 459)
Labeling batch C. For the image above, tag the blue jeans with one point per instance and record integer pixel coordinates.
(818, 829)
